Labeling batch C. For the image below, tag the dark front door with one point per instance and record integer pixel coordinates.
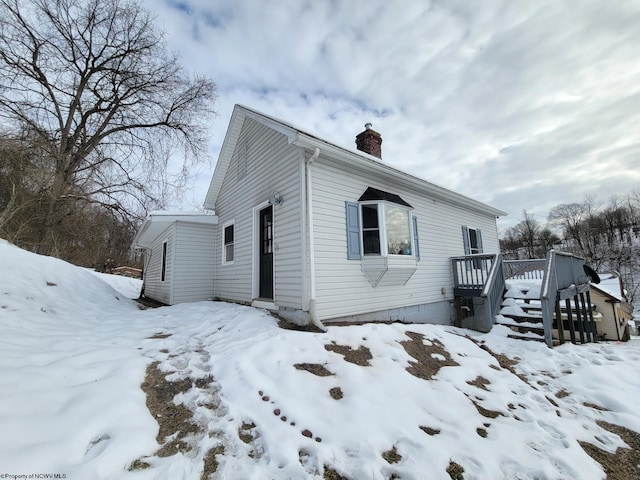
(266, 252)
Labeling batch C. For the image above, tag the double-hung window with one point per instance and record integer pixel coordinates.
(386, 229)
(370, 229)
(472, 240)
(228, 243)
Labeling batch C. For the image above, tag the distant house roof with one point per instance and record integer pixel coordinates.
(157, 222)
(610, 285)
(354, 158)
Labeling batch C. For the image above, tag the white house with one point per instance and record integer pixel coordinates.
(315, 232)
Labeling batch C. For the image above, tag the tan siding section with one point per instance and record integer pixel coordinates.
(608, 323)
(342, 289)
(271, 165)
(153, 286)
(194, 266)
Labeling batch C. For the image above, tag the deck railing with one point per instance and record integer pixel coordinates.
(532, 269)
(470, 273)
(480, 275)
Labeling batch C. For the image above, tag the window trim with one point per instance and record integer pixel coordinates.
(225, 244)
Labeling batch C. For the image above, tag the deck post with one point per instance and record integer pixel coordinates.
(594, 328)
(585, 318)
(559, 322)
(572, 326)
(576, 303)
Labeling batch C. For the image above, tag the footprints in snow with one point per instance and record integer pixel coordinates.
(278, 413)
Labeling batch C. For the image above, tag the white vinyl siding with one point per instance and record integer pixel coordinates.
(271, 164)
(154, 286)
(188, 267)
(341, 287)
(194, 263)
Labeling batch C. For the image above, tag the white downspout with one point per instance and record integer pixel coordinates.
(312, 260)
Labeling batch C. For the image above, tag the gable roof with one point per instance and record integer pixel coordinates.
(157, 222)
(301, 138)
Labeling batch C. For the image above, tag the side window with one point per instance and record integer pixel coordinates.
(472, 240)
(228, 235)
(370, 230)
(397, 221)
(163, 267)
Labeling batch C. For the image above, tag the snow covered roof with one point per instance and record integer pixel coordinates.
(610, 285)
(299, 137)
(157, 222)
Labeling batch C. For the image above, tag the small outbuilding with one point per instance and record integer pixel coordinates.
(178, 249)
(610, 301)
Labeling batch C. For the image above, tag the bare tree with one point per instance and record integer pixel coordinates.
(528, 230)
(570, 218)
(93, 81)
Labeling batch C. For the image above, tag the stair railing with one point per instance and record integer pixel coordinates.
(563, 273)
(494, 288)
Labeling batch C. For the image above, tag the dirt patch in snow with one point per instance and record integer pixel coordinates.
(361, 356)
(596, 407)
(392, 456)
(624, 464)
(336, 393)
(455, 471)
(331, 474)
(504, 361)
(245, 432)
(480, 382)
(429, 358)
(158, 336)
(430, 431)
(211, 462)
(282, 323)
(315, 368)
(486, 412)
(174, 420)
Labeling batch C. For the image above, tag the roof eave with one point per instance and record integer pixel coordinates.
(156, 223)
(367, 161)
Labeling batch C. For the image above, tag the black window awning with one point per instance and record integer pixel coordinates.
(373, 194)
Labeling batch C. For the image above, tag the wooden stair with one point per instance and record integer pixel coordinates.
(521, 311)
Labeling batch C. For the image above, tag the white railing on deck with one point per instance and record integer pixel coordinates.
(481, 275)
(532, 269)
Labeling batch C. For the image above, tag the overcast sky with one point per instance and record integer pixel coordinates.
(521, 105)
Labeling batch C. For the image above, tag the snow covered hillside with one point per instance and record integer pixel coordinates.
(93, 387)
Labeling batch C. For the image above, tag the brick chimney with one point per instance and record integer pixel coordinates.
(369, 141)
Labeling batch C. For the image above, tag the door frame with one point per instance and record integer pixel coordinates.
(255, 267)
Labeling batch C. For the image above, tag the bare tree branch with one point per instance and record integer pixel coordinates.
(94, 82)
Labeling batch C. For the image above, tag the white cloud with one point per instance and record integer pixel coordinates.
(523, 106)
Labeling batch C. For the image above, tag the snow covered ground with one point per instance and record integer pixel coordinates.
(263, 402)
